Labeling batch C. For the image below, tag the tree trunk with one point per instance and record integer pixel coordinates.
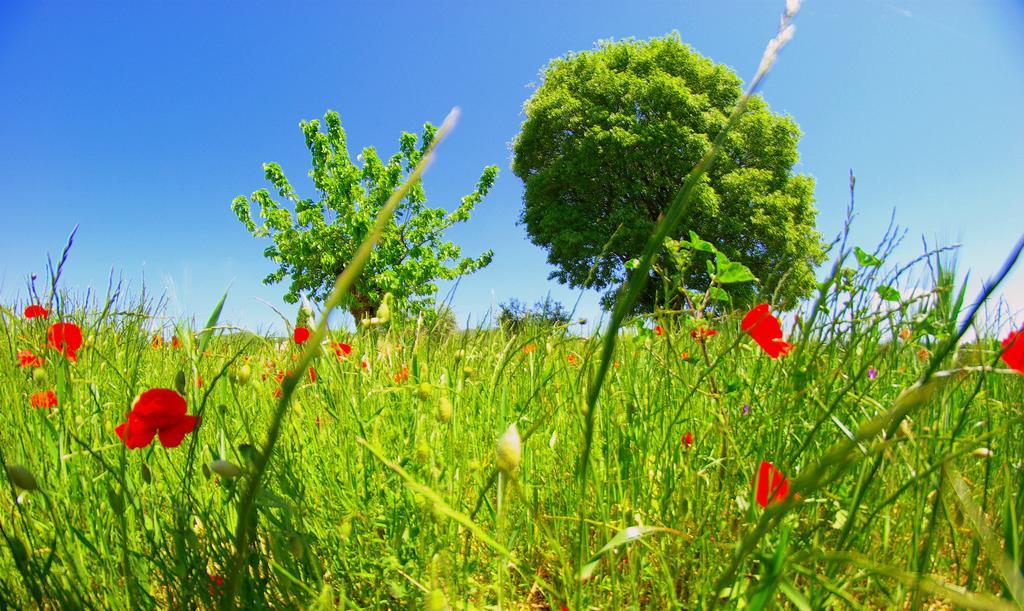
(361, 306)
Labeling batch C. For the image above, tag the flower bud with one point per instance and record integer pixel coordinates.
(240, 375)
(510, 450)
(982, 453)
(384, 310)
(39, 376)
(225, 468)
(21, 477)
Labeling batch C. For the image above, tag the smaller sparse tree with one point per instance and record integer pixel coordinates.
(313, 244)
(514, 315)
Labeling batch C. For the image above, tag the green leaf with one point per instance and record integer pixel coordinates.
(888, 293)
(698, 244)
(621, 538)
(795, 596)
(207, 332)
(730, 272)
(718, 294)
(866, 259)
(633, 263)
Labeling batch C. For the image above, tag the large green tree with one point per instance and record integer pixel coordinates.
(610, 135)
(313, 244)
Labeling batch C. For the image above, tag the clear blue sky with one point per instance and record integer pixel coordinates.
(140, 121)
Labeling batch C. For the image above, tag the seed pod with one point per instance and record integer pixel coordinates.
(225, 468)
(39, 376)
(345, 531)
(444, 409)
(510, 450)
(422, 451)
(424, 390)
(21, 477)
(982, 453)
(435, 601)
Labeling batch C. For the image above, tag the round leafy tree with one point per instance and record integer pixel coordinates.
(314, 244)
(610, 135)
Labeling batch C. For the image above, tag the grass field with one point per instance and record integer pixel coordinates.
(900, 447)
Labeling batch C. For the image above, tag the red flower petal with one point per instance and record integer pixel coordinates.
(171, 436)
(135, 433)
(701, 334)
(46, 398)
(159, 407)
(66, 338)
(659, 330)
(766, 331)
(28, 358)
(341, 349)
(36, 311)
(312, 375)
(772, 485)
(1013, 353)
(301, 335)
(688, 439)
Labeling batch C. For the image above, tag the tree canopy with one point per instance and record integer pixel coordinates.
(610, 135)
(314, 244)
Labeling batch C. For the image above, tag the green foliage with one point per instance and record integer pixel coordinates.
(514, 315)
(312, 244)
(608, 139)
(681, 255)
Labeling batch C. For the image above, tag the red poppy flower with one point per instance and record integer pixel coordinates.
(659, 330)
(772, 485)
(66, 338)
(36, 311)
(46, 398)
(277, 393)
(688, 439)
(402, 375)
(700, 334)
(175, 342)
(216, 581)
(341, 350)
(528, 348)
(766, 331)
(27, 358)
(158, 411)
(1013, 353)
(365, 363)
(572, 359)
(312, 375)
(301, 335)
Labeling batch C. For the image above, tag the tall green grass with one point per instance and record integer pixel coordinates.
(377, 488)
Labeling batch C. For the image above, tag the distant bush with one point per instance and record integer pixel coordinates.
(514, 315)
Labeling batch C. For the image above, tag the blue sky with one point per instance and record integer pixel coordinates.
(140, 121)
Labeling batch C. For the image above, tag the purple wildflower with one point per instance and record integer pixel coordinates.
(872, 373)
